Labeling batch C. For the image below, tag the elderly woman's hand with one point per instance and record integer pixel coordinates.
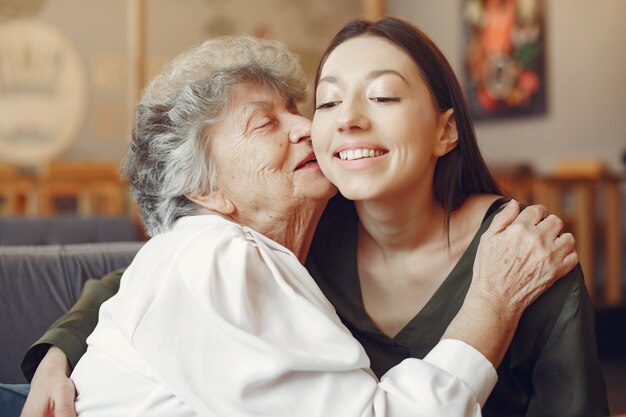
(519, 257)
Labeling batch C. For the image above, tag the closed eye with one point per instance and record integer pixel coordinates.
(384, 99)
(265, 122)
(327, 105)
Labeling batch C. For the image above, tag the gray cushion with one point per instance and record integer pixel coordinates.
(40, 283)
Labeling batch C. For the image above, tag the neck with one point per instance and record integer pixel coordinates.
(293, 228)
(402, 223)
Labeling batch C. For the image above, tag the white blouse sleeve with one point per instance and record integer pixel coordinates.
(239, 333)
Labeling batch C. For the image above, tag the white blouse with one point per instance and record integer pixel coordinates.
(215, 319)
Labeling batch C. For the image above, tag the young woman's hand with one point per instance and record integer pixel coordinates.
(52, 392)
(519, 257)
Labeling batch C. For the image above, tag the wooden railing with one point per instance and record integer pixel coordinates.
(82, 188)
(590, 203)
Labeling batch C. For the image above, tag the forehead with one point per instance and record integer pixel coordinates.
(247, 94)
(367, 53)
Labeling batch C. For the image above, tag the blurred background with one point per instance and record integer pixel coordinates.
(545, 79)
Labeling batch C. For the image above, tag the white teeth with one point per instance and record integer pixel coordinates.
(351, 154)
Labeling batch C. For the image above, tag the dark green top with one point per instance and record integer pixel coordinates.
(70, 331)
(551, 368)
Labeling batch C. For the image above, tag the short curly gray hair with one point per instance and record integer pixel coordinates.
(168, 155)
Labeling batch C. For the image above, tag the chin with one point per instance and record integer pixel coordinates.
(357, 193)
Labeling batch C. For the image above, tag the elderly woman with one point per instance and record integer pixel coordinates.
(217, 315)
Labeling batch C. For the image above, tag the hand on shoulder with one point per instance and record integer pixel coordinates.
(521, 255)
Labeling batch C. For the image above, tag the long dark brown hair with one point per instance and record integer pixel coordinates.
(462, 171)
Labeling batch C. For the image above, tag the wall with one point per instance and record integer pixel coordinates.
(586, 65)
(586, 76)
(99, 29)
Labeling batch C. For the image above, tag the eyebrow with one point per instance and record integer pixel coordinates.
(257, 104)
(250, 107)
(370, 76)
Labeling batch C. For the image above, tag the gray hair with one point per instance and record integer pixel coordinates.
(168, 155)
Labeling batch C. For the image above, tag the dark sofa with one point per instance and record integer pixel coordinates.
(39, 283)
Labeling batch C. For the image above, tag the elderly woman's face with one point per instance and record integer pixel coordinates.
(263, 153)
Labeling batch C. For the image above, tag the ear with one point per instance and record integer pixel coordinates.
(215, 200)
(449, 137)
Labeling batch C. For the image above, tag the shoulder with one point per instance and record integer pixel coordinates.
(472, 218)
(568, 295)
(477, 206)
(225, 261)
(569, 287)
(208, 233)
(207, 227)
(223, 250)
(199, 247)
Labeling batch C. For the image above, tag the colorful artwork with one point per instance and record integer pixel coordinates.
(504, 58)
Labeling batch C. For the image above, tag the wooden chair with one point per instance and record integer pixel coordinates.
(515, 181)
(17, 191)
(85, 188)
(574, 191)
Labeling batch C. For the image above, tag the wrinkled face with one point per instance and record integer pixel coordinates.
(376, 130)
(263, 153)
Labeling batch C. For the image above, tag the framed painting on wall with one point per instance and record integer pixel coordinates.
(504, 54)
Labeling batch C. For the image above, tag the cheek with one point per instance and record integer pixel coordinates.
(267, 158)
(317, 146)
(413, 126)
(322, 153)
(321, 135)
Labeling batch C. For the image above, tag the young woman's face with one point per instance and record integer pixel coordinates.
(376, 131)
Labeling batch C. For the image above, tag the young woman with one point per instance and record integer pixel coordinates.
(391, 130)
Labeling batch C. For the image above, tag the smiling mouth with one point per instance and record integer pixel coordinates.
(353, 154)
(307, 163)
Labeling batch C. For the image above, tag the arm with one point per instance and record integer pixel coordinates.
(52, 392)
(70, 331)
(273, 345)
(570, 355)
(519, 257)
(49, 362)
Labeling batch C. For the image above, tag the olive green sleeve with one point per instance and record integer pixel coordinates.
(70, 331)
(567, 377)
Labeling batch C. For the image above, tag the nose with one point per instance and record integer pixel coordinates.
(300, 129)
(352, 117)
